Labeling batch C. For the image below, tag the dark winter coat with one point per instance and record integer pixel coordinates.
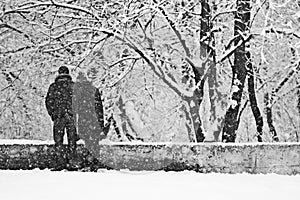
(59, 97)
(88, 109)
(87, 103)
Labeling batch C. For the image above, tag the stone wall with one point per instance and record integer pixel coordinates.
(222, 158)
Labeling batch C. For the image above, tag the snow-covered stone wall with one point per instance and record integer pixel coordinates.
(223, 158)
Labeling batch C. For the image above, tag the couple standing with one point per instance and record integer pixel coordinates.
(77, 109)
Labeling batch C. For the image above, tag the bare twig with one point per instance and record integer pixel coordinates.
(12, 83)
(125, 73)
(51, 3)
(69, 44)
(222, 13)
(173, 27)
(282, 83)
(257, 11)
(18, 31)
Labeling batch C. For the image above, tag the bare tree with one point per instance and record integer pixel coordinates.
(253, 100)
(239, 70)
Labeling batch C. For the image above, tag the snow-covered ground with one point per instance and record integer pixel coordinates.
(44, 185)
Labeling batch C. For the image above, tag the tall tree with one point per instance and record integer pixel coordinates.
(208, 55)
(252, 98)
(205, 51)
(205, 56)
(239, 71)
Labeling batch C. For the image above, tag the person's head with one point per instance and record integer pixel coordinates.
(63, 70)
(92, 74)
(81, 76)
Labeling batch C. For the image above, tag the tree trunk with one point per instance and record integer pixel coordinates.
(194, 108)
(128, 133)
(298, 107)
(195, 102)
(205, 29)
(191, 115)
(252, 98)
(298, 94)
(239, 71)
(268, 109)
(208, 55)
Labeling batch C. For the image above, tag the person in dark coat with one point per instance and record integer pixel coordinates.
(88, 110)
(59, 107)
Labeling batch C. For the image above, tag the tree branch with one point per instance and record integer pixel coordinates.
(282, 83)
(229, 52)
(126, 72)
(52, 3)
(18, 31)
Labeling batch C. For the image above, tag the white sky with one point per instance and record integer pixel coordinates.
(121, 185)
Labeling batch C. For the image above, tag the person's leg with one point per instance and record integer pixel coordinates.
(74, 159)
(58, 136)
(71, 133)
(58, 132)
(76, 127)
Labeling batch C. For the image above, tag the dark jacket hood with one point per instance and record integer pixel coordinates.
(63, 77)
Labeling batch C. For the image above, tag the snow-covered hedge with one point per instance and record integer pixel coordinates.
(280, 158)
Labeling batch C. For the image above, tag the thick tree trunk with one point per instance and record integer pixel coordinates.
(239, 71)
(194, 108)
(204, 30)
(195, 102)
(207, 54)
(253, 102)
(193, 122)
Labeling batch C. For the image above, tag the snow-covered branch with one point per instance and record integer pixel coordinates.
(232, 49)
(36, 4)
(126, 71)
(18, 31)
(68, 45)
(295, 69)
(155, 68)
(222, 13)
(173, 27)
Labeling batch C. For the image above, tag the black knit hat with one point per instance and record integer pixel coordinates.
(63, 70)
